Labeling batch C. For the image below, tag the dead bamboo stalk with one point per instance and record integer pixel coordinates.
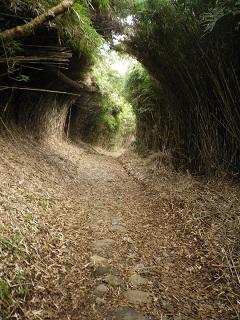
(2, 88)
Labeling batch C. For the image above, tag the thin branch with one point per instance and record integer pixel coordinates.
(2, 88)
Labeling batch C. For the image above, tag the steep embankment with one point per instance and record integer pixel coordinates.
(80, 231)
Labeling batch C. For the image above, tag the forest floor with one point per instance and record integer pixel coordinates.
(87, 236)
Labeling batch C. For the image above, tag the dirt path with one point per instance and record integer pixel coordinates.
(95, 243)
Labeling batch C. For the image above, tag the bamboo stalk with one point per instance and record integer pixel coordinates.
(2, 88)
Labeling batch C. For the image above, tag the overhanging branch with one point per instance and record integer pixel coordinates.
(31, 26)
(71, 84)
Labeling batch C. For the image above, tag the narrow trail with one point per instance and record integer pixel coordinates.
(105, 246)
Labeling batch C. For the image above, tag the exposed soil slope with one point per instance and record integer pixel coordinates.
(72, 219)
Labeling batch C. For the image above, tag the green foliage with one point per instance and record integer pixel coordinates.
(220, 11)
(141, 90)
(104, 4)
(16, 274)
(76, 27)
(4, 291)
(122, 8)
(145, 95)
(12, 48)
(11, 246)
(22, 78)
(116, 121)
(194, 101)
(13, 289)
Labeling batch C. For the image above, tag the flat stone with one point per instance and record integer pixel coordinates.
(137, 296)
(102, 270)
(100, 301)
(103, 244)
(98, 260)
(118, 228)
(113, 280)
(137, 280)
(100, 265)
(105, 270)
(101, 290)
(127, 313)
(116, 221)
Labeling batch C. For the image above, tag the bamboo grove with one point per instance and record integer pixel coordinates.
(187, 96)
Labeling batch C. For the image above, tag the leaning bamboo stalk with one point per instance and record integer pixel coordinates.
(33, 59)
(3, 88)
(4, 60)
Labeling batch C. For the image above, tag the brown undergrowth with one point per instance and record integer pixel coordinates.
(201, 225)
